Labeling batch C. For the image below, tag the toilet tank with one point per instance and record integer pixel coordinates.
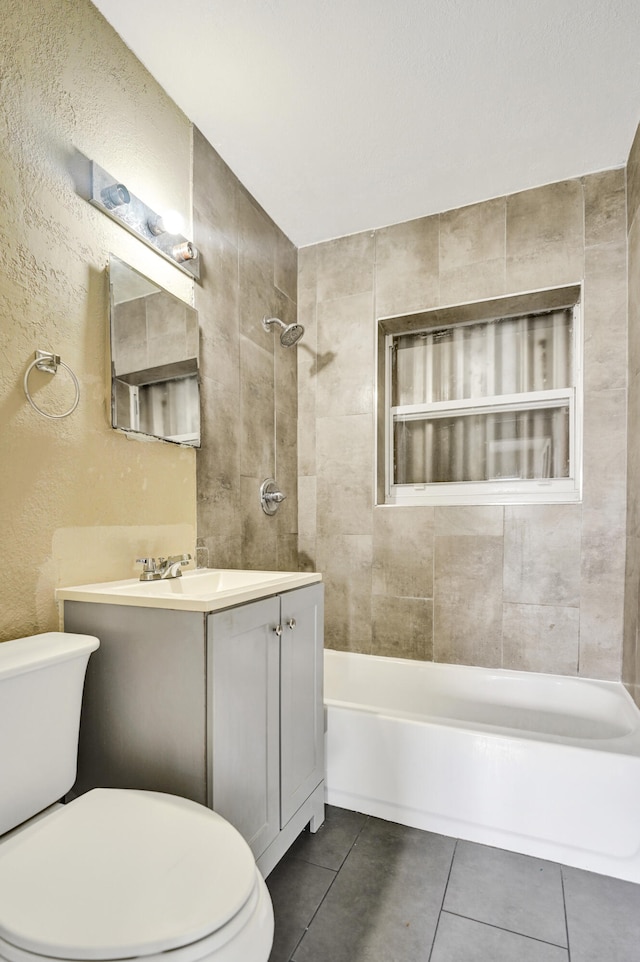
(41, 681)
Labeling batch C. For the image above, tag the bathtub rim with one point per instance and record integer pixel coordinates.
(627, 743)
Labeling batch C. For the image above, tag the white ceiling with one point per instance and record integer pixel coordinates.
(345, 115)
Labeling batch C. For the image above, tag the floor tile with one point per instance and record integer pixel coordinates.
(603, 917)
(463, 940)
(385, 902)
(330, 845)
(297, 889)
(507, 890)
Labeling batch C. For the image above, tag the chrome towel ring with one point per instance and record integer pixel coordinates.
(49, 363)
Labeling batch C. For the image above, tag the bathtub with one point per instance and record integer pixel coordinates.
(545, 765)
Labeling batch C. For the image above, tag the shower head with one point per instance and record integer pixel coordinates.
(290, 334)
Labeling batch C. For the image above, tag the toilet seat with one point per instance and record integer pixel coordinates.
(120, 874)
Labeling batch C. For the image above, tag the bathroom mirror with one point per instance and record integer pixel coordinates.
(154, 358)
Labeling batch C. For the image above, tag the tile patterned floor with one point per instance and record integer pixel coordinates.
(365, 890)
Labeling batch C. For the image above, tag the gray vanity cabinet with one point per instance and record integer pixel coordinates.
(243, 720)
(267, 728)
(223, 707)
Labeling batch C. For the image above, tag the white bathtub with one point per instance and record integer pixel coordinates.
(545, 765)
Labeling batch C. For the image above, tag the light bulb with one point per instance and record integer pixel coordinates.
(173, 222)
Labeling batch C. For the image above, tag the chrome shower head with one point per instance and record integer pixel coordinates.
(290, 334)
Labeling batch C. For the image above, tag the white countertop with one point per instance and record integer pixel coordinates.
(202, 589)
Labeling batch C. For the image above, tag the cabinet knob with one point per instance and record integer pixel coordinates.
(278, 630)
(291, 623)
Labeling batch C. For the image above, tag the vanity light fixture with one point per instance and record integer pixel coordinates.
(162, 232)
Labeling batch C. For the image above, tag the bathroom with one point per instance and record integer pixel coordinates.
(559, 583)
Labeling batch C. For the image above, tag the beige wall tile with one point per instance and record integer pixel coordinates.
(345, 475)
(600, 636)
(542, 554)
(545, 236)
(257, 298)
(469, 519)
(308, 269)
(220, 518)
(307, 434)
(605, 317)
(403, 552)
(285, 364)
(605, 207)
(475, 282)
(216, 191)
(307, 522)
(217, 299)
(604, 488)
(256, 411)
(285, 275)
(631, 596)
(407, 266)
(287, 552)
(286, 472)
(603, 537)
(634, 299)
(345, 563)
(219, 456)
(540, 638)
(633, 179)
(257, 237)
(602, 567)
(402, 627)
(473, 252)
(306, 357)
(468, 600)
(345, 266)
(528, 558)
(248, 270)
(345, 380)
(259, 531)
(631, 650)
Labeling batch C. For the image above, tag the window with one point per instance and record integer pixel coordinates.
(484, 407)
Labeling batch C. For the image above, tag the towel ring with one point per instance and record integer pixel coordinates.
(48, 362)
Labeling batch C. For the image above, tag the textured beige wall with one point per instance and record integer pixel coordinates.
(631, 659)
(533, 587)
(249, 387)
(78, 501)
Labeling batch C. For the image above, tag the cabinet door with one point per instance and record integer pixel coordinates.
(301, 697)
(243, 719)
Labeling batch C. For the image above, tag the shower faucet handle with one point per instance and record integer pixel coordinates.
(270, 496)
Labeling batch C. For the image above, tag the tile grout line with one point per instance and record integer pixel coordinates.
(444, 895)
(564, 906)
(321, 903)
(501, 928)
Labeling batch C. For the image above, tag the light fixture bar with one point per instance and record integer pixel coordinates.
(116, 201)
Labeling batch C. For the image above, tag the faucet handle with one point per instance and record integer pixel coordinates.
(149, 572)
(183, 559)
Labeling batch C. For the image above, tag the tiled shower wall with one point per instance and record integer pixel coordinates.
(525, 586)
(631, 659)
(248, 381)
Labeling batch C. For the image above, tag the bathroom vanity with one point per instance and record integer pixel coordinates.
(211, 690)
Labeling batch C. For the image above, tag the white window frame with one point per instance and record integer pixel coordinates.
(494, 491)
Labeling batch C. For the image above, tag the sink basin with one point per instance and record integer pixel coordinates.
(205, 581)
(204, 589)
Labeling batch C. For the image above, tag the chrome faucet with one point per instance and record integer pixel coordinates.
(154, 570)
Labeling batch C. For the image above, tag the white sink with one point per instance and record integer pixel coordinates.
(204, 589)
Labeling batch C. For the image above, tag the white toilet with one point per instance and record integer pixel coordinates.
(116, 873)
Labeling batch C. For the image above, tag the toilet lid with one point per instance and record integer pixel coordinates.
(121, 873)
